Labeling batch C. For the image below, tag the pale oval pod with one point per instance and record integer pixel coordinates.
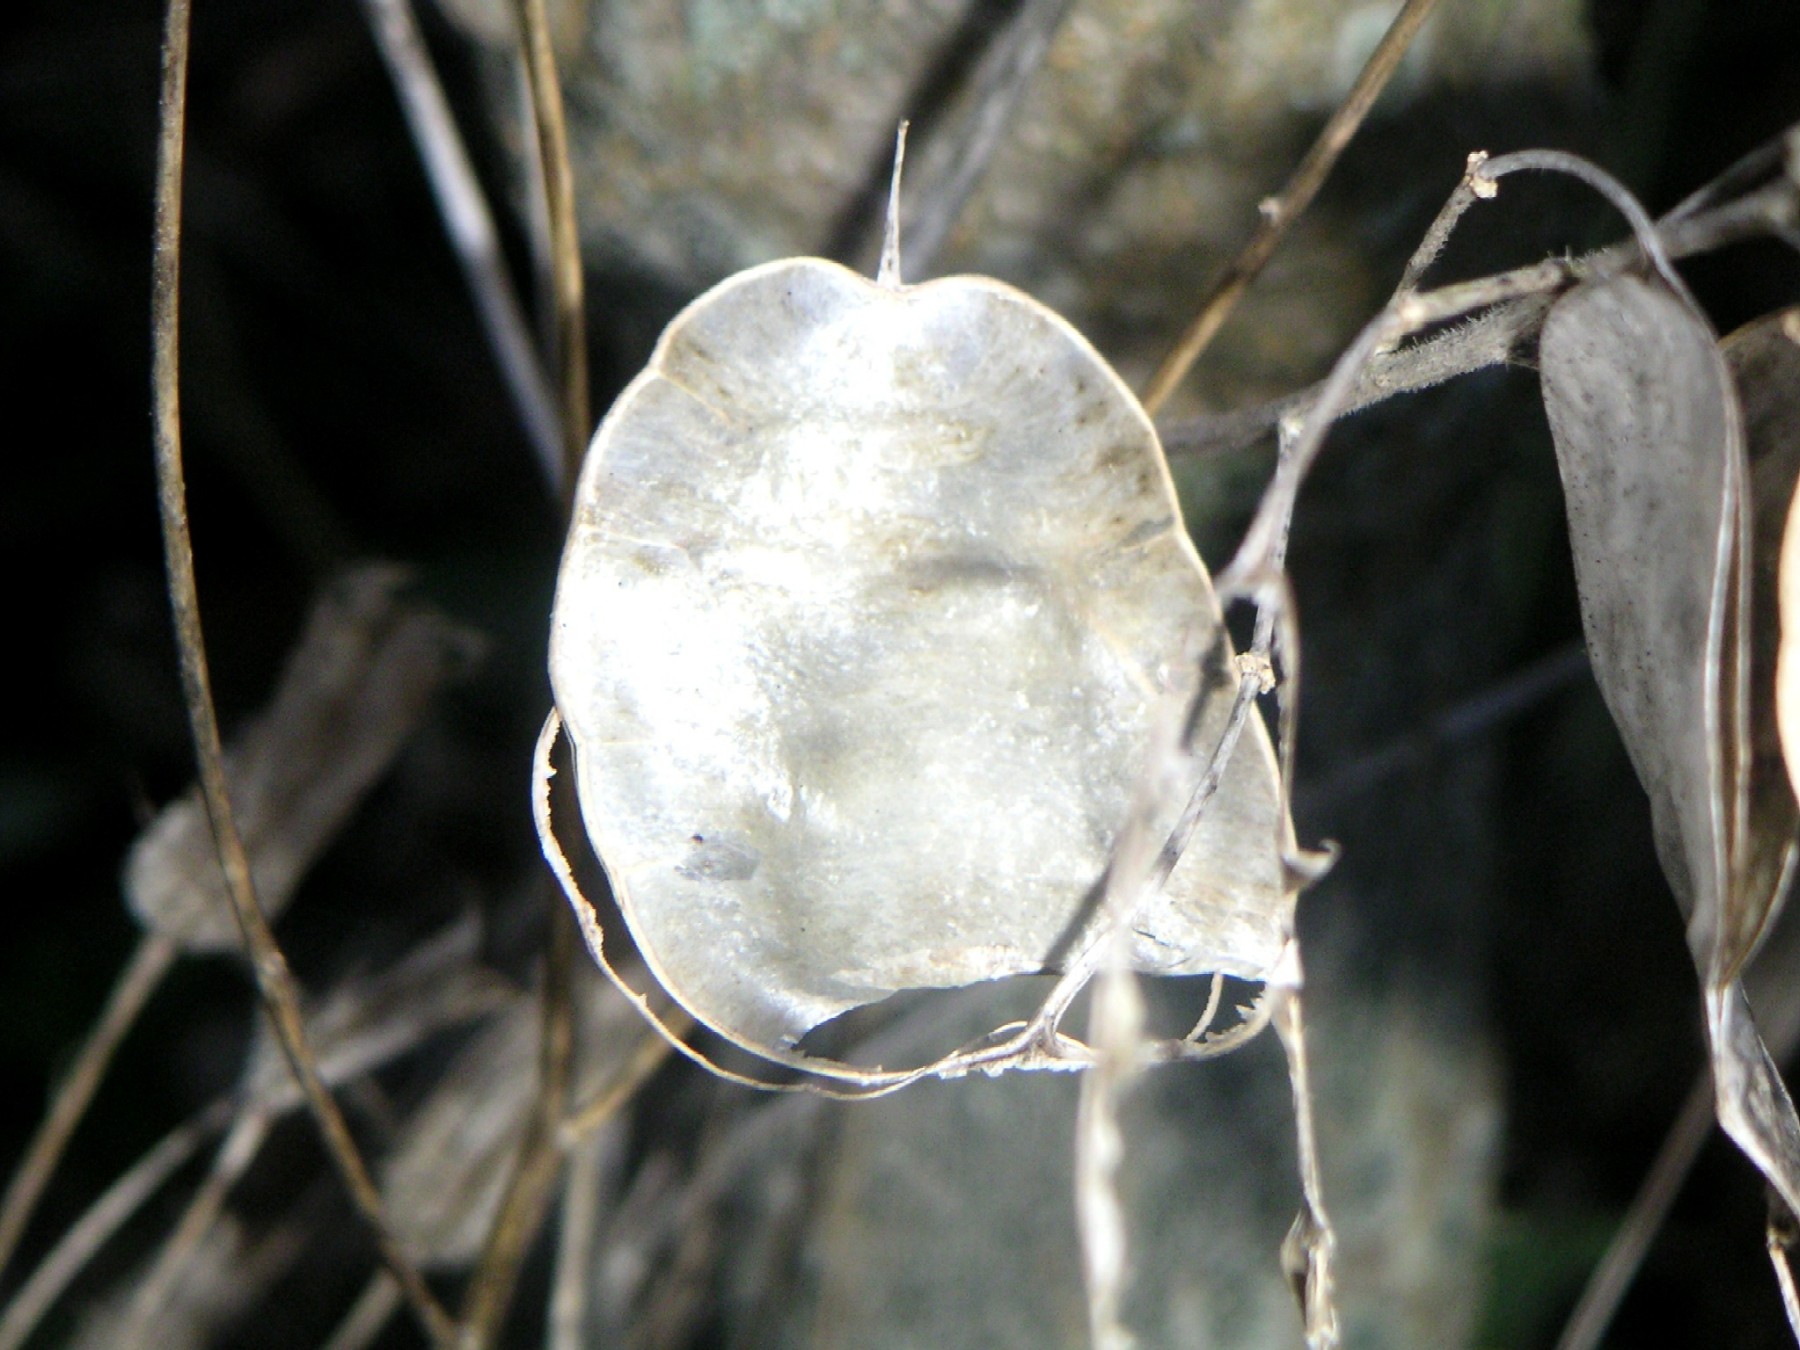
(870, 599)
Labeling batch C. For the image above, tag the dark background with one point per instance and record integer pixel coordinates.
(340, 402)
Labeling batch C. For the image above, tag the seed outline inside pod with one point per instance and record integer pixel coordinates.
(871, 598)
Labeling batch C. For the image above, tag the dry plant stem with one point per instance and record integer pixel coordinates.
(1001, 79)
(127, 1194)
(1649, 1208)
(1312, 1242)
(888, 270)
(1250, 569)
(378, 1302)
(239, 1149)
(576, 1238)
(274, 981)
(1117, 1028)
(470, 226)
(141, 977)
(539, 1158)
(648, 1056)
(1494, 336)
(1771, 157)
(565, 244)
(1280, 212)
(1612, 1277)
(102, 1219)
(1473, 187)
(1087, 960)
(1251, 683)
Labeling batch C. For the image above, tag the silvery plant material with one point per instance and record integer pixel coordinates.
(872, 596)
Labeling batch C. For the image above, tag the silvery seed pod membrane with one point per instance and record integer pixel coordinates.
(870, 599)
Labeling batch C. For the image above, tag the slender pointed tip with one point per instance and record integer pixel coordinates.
(889, 273)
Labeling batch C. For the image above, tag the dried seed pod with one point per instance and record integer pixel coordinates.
(870, 598)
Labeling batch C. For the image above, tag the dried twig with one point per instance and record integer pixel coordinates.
(1308, 1251)
(1503, 329)
(1779, 1003)
(160, 1282)
(378, 1302)
(578, 1235)
(356, 684)
(102, 1219)
(539, 1160)
(565, 244)
(645, 1059)
(1281, 211)
(274, 981)
(265, 1091)
(1117, 1032)
(470, 225)
(1631, 1243)
(142, 975)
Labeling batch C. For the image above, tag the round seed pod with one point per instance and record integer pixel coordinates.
(870, 601)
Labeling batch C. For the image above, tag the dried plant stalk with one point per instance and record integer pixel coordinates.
(142, 975)
(539, 1159)
(1117, 1035)
(1281, 211)
(272, 976)
(470, 226)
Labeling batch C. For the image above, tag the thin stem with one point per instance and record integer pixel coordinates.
(889, 273)
(274, 981)
(1311, 1243)
(565, 243)
(469, 223)
(1494, 336)
(1121, 901)
(1116, 1027)
(1281, 211)
(234, 1157)
(538, 1161)
(577, 1238)
(1251, 568)
(378, 1302)
(649, 1055)
(1779, 1239)
(1474, 186)
(101, 1220)
(1649, 1208)
(140, 979)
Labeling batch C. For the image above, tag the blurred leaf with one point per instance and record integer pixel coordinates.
(356, 686)
(448, 1170)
